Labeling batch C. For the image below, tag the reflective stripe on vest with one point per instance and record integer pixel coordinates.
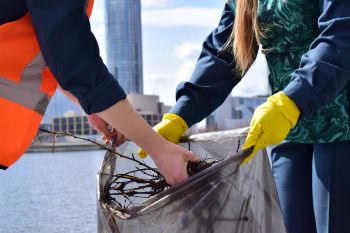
(27, 93)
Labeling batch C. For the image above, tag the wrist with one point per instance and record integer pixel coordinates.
(172, 127)
(175, 119)
(287, 106)
(160, 147)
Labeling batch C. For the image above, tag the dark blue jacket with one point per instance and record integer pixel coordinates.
(324, 70)
(70, 49)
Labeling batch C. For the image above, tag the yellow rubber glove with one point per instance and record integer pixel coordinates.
(271, 123)
(172, 127)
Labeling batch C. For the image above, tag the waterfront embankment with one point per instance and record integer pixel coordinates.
(62, 147)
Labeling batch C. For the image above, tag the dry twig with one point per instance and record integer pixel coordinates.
(142, 182)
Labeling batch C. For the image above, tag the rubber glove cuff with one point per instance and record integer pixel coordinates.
(271, 122)
(287, 106)
(172, 127)
(176, 121)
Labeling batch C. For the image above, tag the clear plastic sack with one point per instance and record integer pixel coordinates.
(227, 197)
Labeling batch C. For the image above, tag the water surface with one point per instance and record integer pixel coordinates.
(50, 193)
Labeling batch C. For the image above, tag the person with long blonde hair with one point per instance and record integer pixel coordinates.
(307, 47)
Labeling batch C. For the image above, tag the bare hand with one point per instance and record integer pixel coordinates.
(100, 125)
(172, 162)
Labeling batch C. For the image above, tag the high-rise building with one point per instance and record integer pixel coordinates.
(124, 43)
(124, 55)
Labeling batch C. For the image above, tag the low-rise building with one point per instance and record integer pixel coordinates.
(78, 125)
(149, 107)
(235, 112)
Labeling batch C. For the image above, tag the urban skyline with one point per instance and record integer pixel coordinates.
(169, 52)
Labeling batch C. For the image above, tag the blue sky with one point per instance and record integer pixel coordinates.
(172, 33)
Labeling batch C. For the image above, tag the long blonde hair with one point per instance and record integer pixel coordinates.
(246, 34)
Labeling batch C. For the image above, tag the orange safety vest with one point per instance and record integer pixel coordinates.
(26, 87)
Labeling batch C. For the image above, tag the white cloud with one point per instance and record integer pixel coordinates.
(160, 84)
(98, 27)
(154, 3)
(185, 70)
(97, 15)
(190, 17)
(187, 53)
(187, 50)
(258, 73)
(99, 32)
(159, 77)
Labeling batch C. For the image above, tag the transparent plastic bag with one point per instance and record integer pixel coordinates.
(226, 197)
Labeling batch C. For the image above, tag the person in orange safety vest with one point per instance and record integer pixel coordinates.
(44, 42)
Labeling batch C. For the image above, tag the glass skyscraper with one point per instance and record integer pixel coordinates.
(124, 43)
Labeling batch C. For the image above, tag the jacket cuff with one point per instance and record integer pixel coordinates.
(185, 110)
(303, 96)
(103, 96)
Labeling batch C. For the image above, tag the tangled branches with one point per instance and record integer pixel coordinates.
(141, 180)
(139, 183)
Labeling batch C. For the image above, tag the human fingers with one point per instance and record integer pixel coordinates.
(177, 176)
(253, 135)
(100, 125)
(118, 139)
(190, 156)
(252, 140)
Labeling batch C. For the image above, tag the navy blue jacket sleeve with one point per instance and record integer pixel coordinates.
(325, 69)
(71, 52)
(213, 77)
